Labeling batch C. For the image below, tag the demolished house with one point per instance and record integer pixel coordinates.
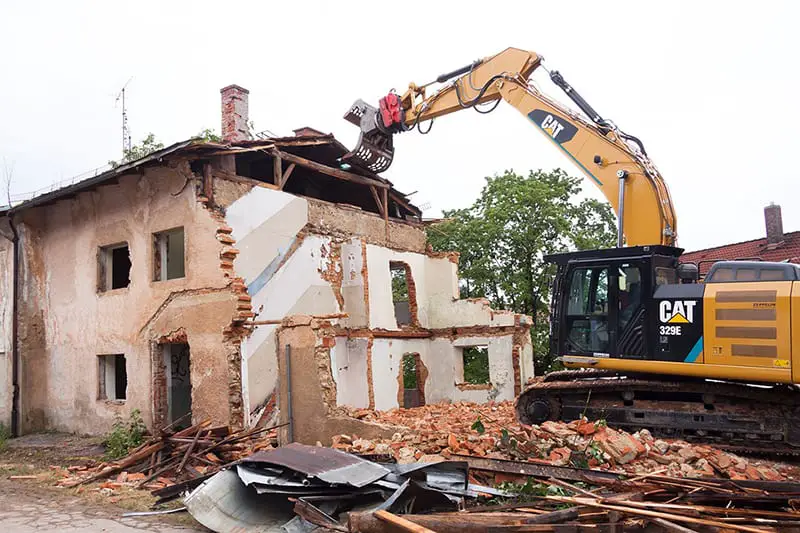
(246, 282)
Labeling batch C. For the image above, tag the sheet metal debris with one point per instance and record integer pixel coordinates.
(293, 491)
(297, 486)
(326, 464)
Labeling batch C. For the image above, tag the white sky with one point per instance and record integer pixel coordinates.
(710, 87)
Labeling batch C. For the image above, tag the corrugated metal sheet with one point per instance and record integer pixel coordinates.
(327, 464)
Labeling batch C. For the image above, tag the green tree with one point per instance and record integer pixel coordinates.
(208, 135)
(148, 145)
(504, 235)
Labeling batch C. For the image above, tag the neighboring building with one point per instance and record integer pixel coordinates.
(775, 246)
(167, 285)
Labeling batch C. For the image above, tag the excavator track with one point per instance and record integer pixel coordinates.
(738, 417)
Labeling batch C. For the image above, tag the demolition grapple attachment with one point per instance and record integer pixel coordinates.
(374, 151)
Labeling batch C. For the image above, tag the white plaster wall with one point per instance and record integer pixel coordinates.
(349, 368)
(436, 281)
(283, 279)
(443, 359)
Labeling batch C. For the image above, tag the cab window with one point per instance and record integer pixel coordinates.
(587, 311)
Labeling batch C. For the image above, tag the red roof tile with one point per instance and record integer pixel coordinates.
(788, 250)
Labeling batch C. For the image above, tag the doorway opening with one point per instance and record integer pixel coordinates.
(177, 372)
(413, 378)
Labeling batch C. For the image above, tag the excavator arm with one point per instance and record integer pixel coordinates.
(611, 159)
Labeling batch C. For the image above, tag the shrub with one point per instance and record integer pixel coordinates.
(125, 435)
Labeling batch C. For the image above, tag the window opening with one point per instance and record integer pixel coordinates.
(476, 365)
(114, 267)
(168, 255)
(400, 293)
(112, 377)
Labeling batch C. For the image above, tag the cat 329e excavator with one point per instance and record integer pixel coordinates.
(646, 344)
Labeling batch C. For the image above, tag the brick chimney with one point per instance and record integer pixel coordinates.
(235, 113)
(774, 223)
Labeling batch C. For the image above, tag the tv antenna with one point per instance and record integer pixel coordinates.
(126, 132)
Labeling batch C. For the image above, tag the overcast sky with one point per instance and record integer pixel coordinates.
(710, 87)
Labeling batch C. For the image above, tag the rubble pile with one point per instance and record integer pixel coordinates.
(173, 460)
(301, 488)
(490, 430)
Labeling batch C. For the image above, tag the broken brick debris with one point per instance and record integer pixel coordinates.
(298, 487)
(491, 430)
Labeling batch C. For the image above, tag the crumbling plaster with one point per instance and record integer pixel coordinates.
(306, 257)
(65, 323)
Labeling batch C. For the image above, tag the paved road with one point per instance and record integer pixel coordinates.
(20, 516)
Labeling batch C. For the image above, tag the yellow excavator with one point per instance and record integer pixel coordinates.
(646, 344)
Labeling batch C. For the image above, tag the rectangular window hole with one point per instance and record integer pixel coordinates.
(112, 377)
(476, 365)
(400, 296)
(639, 415)
(168, 255)
(114, 267)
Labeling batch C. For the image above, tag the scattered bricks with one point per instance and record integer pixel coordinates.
(452, 442)
(661, 446)
(751, 472)
(688, 454)
(406, 455)
(122, 477)
(137, 476)
(584, 427)
(559, 429)
(560, 456)
(225, 229)
(620, 446)
(769, 473)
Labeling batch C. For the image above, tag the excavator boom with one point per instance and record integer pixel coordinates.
(645, 344)
(612, 160)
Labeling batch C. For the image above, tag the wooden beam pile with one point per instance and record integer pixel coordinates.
(180, 458)
(647, 503)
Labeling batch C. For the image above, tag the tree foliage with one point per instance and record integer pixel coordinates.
(208, 135)
(148, 145)
(503, 237)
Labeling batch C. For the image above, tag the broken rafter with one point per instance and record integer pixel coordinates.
(410, 208)
(277, 170)
(325, 169)
(378, 202)
(286, 176)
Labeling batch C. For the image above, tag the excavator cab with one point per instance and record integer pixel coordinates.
(603, 301)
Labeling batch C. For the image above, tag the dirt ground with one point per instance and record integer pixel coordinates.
(37, 504)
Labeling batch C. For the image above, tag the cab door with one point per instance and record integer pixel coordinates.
(586, 326)
(604, 314)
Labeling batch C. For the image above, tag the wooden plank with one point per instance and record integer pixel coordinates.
(330, 171)
(129, 461)
(378, 202)
(402, 523)
(410, 208)
(277, 170)
(189, 451)
(208, 184)
(386, 212)
(655, 514)
(286, 176)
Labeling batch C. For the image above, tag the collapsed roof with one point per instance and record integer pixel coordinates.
(308, 164)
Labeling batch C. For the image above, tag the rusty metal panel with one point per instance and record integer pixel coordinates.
(327, 464)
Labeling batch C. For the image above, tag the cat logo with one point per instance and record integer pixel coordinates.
(559, 129)
(552, 126)
(676, 312)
